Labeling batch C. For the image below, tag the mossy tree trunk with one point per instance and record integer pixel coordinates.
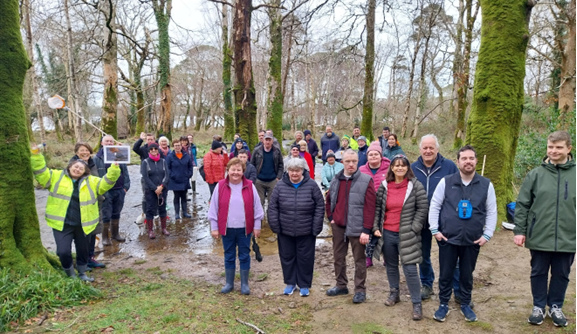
(162, 9)
(229, 127)
(244, 92)
(368, 94)
(567, 86)
(20, 245)
(275, 93)
(493, 126)
(110, 70)
(73, 95)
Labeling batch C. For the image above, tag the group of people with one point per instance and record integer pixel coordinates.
(385, 207)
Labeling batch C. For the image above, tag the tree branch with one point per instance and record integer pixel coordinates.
(222, 2)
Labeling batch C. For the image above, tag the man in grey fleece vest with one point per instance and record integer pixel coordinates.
(350, 206)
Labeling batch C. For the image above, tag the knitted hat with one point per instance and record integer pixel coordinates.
(347, 137)
(330, 155)
(153, 145)
(296, 146)
(307, 132)
(375, 146)
(238, 140)
(215, 145)
(362, 138)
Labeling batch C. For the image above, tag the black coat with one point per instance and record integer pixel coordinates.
(250, 172)
(296, 212)
(142, 150)
(154, 173)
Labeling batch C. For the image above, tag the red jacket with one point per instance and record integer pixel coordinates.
(224, 194)
(215, 166)
(310, 163)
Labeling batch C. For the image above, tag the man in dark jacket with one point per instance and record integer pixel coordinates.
(383, 140)
(113, 198)
(545, 223)
(250, 172)
(350, 207)
(329, 142)
(142, 150)
(267, 159)
(429, 169)
(312, 144)
(462, 217)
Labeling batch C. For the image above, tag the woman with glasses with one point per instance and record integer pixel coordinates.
(400, 214)
(294, 153)
(155, 175)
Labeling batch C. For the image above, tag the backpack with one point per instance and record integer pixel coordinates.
(202, 173)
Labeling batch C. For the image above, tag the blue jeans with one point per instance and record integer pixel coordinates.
(236, 237)
(426, 271)
(112, 205)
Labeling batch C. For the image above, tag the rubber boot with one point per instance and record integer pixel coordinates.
(150, 226)
(163, 225)
(244, 289)
(176, 211)
(184, 209)
(105, 238)
(70, 272)
(82, 274)
(229, 286)
(115, 233)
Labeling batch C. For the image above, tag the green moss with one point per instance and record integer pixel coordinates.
(275, 96)
(229, 126)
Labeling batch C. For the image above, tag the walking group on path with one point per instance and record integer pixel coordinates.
(376, 201)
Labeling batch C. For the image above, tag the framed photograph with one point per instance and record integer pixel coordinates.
(118, 154)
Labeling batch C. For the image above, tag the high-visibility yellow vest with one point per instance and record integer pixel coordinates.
(61, 186)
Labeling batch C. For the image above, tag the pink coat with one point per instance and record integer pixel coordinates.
(380, 175)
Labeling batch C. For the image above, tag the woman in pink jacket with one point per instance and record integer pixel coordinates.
(376, 167)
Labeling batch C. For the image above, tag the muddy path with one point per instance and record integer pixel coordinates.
(501, 292)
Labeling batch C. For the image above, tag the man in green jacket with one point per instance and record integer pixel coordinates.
(545, 223)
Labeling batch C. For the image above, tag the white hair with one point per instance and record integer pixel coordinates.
(430, 135)
(295, 163)
(163, 138)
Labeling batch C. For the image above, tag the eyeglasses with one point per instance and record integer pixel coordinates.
(153, 148)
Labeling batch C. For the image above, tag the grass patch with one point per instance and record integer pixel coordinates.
(24, 296)
(369, 328)
(482, 325)
(140, 262)
(141, 302)
(155, 271)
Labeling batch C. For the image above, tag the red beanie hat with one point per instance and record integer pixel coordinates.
(375, 146)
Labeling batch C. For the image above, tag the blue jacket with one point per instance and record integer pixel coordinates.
(330, 143)
(363, 156)
(180, 171)
(430, 177)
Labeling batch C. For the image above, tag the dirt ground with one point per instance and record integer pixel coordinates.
(501, 293)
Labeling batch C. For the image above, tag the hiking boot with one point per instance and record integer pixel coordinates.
(558, 317)
(82, 273)
(393, 297)
(336, 291)
(150, 227)
(304, 292)
(468, 313)
(417, 311)
(244, 288)
(289, 289)
(441, 313)
(229, 274)
(92, 263)
(369, 262)
(537, 316)
(426, 292)
(186, 215)
(359, 297)
(114, 226)
(163, 225)
(458, 301)
(105, 238)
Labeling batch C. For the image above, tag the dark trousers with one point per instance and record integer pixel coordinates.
(264, 189)
(152, 204)
(179, 201)
(143, 185)
(91, 244)
(560, 265)
(340, 249)
(426, 271)
(297, 259)
(64, 240)
(391, 244)
(236, 238)
(211, 187)
(112, 205)
(448, 256)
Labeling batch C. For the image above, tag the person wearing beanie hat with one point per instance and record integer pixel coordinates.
(214, 165)
(151, 146)
(238, 145)
(312, 144)
(362, 142)
(294, 153)
(376, 167)
(155, 175)
(330, 169)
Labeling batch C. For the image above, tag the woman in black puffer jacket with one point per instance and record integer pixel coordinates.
(296, 214)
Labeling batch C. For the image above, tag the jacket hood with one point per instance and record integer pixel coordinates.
(569, 164)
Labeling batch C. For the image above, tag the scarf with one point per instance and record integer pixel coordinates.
(156, 158)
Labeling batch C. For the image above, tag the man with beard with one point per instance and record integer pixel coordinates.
(462, 217)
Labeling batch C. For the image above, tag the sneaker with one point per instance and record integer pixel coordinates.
(537, 316)
(426, 292)
(468, 313)
(359, 297)
(336, 291)
(304, 292)
(441, 313)
(458, 301)
(557, 315)
(289, 289)
(92, 263)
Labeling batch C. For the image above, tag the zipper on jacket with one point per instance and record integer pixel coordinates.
(532, 225)
(557, 210)
(347, 191)
(566, 190)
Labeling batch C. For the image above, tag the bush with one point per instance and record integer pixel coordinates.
(24, 296)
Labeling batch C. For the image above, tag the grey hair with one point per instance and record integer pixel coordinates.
(296, 163)
(350, 151)
(430, 135)
(299, 133)
(106, 137)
